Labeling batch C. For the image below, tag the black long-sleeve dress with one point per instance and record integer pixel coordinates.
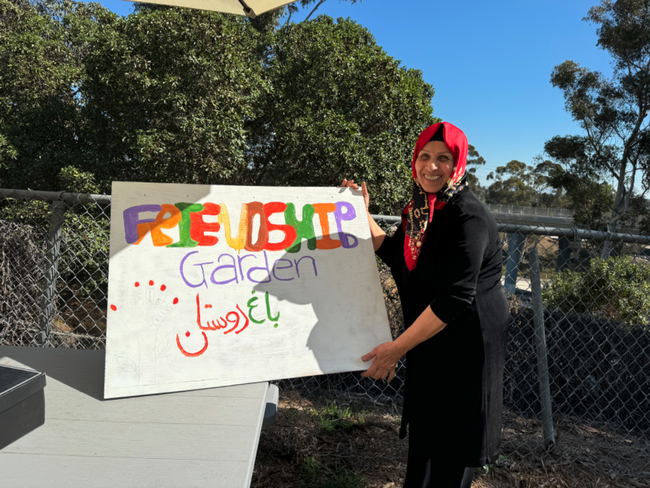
(454, 380)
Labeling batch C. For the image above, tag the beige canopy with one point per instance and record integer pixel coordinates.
(250, 8)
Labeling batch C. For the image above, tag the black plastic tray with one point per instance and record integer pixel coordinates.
(22, 402)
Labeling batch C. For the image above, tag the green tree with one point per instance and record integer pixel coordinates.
(39, 90)
(616, 288)
(638, 218)
(338, 107)
(166, 95)
(589, 199)
(474, 159)
(612, 112)
(511, 185)
(517, 183)
(185, 96)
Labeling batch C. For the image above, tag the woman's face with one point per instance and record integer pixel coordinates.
(434, 166)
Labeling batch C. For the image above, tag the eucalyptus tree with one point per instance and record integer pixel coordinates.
(589, 199)
(474, 159)
(517, 183)
(612, 112)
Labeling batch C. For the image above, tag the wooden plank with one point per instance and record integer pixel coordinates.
(56, 471)
(55, 358)
(62, 365)
(63, 405)
(136, 440)
(196, 438)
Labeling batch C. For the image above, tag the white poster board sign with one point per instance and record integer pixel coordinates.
(222, 285)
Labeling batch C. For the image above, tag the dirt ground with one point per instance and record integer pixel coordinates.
(350, 443)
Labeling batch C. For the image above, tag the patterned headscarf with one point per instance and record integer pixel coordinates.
(418, 213)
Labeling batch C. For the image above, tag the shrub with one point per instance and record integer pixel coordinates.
(617, 288)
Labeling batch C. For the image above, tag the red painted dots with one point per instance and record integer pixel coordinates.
(113, 308)
(163, 287)
(187, 334)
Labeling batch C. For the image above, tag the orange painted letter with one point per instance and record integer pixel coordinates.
(325, 242)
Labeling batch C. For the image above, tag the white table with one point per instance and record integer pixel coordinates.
(202, 438)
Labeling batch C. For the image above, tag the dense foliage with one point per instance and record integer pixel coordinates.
(185, 96)
(39, 78)
(474, 159)
(590, 200)
(167, 94)
(339, 106)
(517, 183)
(617, 288)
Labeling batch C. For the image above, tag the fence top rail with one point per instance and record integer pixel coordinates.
(516, 209)
(573, 233)
(52, 196)
(542, 230)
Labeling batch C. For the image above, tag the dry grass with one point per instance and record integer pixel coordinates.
(350, 443)
(81, 314)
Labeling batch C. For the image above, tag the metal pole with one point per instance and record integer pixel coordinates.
(564, 255)
(515, 246)
(51, 196)
(540, 347)
(576, 234)
(51, 271)
(540, 230)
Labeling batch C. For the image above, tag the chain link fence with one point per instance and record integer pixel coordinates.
(54, 269)
(578, 359)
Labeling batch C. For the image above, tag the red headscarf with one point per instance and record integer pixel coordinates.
(418, 213)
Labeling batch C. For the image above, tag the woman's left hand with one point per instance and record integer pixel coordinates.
(385, 357)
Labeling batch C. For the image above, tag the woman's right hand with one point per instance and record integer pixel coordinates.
(376, 232)
(354, 186)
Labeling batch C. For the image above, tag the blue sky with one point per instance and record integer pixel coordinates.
(489, 62)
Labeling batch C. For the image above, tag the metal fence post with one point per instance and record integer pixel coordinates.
(564, 254)
(515, 247)
(51, 271)
(540, 347)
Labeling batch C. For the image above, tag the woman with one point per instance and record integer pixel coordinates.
(446, 261)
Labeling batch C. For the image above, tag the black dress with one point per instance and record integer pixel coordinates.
(454, 380)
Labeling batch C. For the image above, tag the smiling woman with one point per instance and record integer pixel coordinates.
(446, 261)
(434, 165)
